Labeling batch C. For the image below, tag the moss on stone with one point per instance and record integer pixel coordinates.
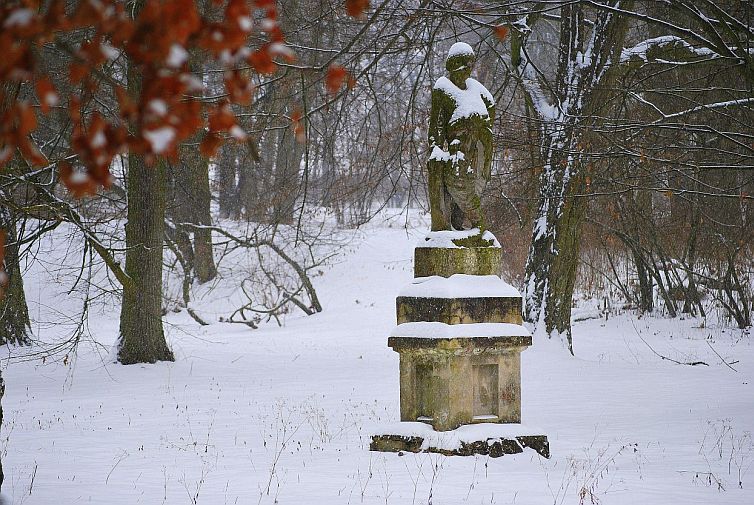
(461, 260)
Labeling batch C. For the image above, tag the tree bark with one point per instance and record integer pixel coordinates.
(142, 339)
(579, 92)
(204, 261)
(14, 313)
(226, 182)
(199, 197)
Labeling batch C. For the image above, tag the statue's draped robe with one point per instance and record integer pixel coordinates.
(460, 140)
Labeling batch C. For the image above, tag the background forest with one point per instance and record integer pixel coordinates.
(622, 164)
(623, 169)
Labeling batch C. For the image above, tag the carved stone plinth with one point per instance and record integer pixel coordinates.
(459, 337)
(448, 382)
(459, 299)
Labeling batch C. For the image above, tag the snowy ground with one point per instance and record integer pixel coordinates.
(284, 415)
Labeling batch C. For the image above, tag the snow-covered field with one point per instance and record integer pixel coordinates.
(284, 415)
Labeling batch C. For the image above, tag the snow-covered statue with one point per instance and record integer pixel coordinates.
(460, 139)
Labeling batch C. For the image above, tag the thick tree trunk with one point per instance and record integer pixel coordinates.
(14, 313)
(190, 200)
(580, 91)
(142, 339)
(646, 286)
(200, 197)
(553, 256)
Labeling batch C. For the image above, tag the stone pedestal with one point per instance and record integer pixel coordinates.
(459, 337)
(448, 382)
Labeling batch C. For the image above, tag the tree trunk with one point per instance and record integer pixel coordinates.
(190, 200)
(14, 313)
(580, 91)
(142, 339)
(287, 164)
(200, 197)
(226, 182)
(553, 257)
(646, 286)
(204, 261)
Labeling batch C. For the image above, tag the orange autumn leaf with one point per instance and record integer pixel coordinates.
(210, 144)
(78, 183)
(262, 62)
(240, 89)
(356, 8)
(501, 32)
(298, 126)
(46, 94)
(221, 119)
(77, 72)
(334, 78)
(27, 120)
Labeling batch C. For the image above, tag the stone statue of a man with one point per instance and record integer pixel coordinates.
(460, 139)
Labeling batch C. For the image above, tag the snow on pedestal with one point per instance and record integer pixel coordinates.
(459, 338)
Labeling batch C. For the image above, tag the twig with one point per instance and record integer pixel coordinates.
(690, 363)
(721, 358)
(34, 474)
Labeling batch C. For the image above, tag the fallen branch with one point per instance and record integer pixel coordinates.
(721, 358)
(196, 317)
(690, 363)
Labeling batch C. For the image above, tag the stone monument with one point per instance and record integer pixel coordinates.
(459, 335)
(460, 143)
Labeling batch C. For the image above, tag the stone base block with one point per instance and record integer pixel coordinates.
(466, 373)
(459, 310)
(459, 299)
(492, 440)
(430, 261)
(445, 253)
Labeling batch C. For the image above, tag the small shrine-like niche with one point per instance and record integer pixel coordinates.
(486, 392)
(432, 392)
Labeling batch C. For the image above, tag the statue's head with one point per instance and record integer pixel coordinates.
(460, 61)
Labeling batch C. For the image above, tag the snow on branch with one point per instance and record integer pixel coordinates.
(641, 50)
(709, 106)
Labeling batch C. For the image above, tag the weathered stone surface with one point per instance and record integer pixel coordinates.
(459, 310)
(462, 345)
(460, 142)
(446, 382)
(493, 447)
(395, 443)
(446, 261)
(537, 442)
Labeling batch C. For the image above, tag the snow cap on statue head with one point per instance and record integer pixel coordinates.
(460, 55)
